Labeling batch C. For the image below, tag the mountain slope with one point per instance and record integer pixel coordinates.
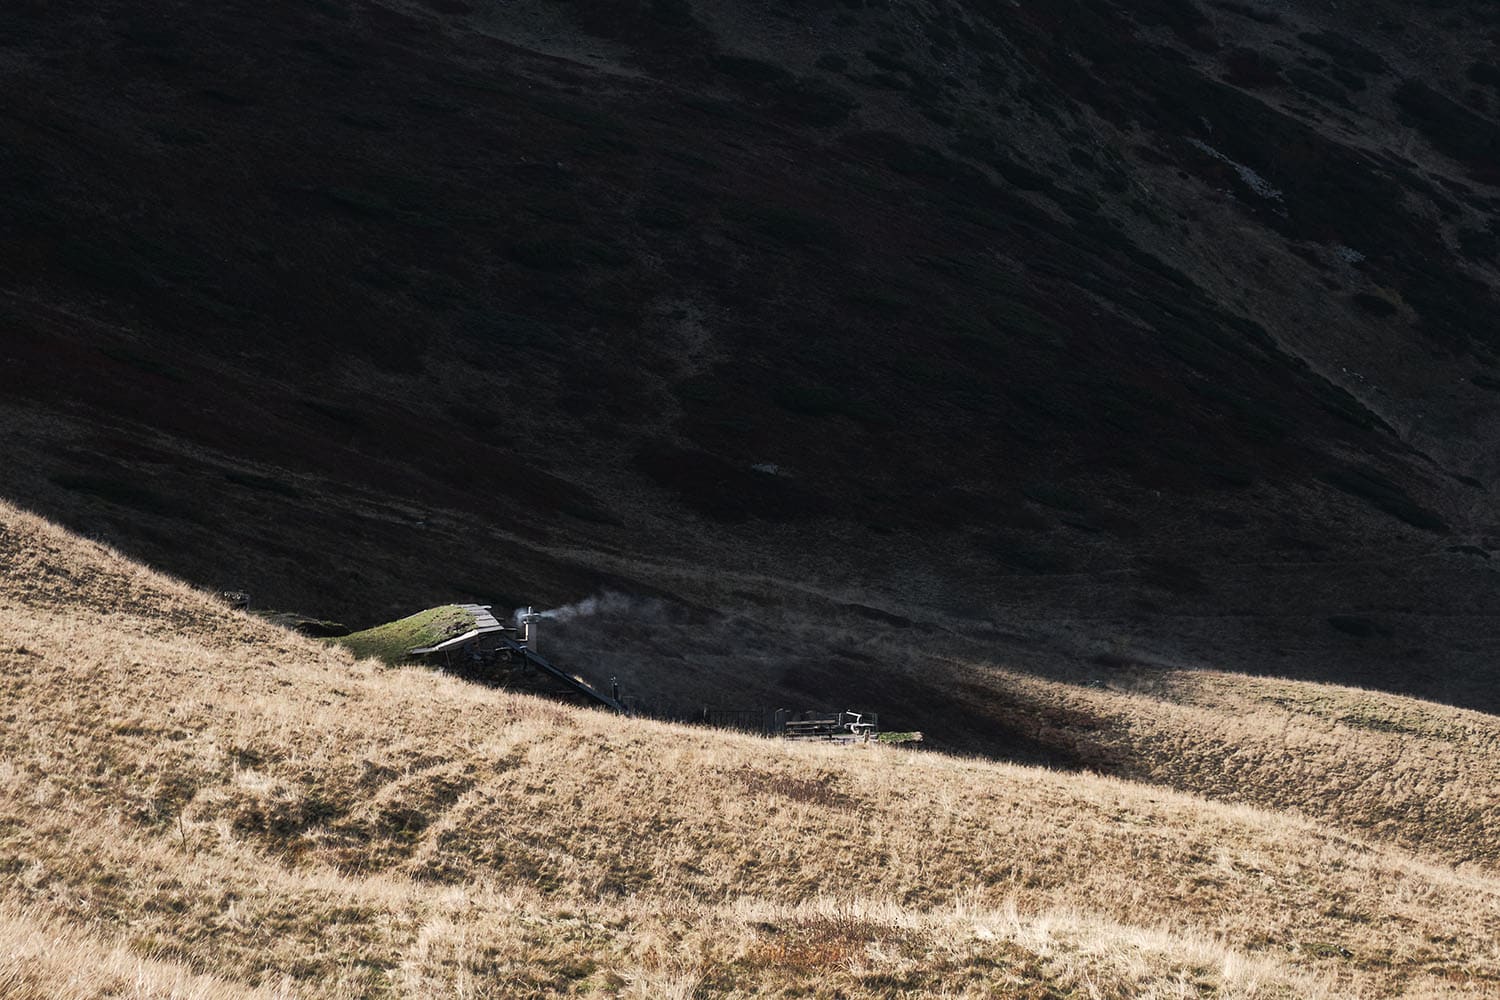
(1160, 323)
(186, 783)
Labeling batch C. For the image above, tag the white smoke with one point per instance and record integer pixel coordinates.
(609, 603)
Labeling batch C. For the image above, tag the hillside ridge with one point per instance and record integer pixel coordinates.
(1096, 316)
(187, 788)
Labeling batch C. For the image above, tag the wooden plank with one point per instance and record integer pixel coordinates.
(576, 683)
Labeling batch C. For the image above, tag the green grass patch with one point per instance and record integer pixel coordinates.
(390, 642)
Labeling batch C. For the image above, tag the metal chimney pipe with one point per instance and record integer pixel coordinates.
(528, 628)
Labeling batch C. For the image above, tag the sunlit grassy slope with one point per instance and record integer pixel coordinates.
(195, 803)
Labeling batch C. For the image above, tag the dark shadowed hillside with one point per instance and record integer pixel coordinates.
(1089, 338)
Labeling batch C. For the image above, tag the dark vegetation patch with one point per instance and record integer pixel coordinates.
(338, 413)
(501, 330)
(563, 254)
(1346, 406)
(1452, 128)
(1345, 51)
(1383, 493)
(1485, 73)
(1182, 16)
(804, 100)
(1212, 466)
(316, 628)
(1375, 305)
(788, 225)
(821, 791)
(1479, 244)
(1358, 627)
(724, 491)
(124, 491)
(1246, 11)
(1451, 304)
(1469, 550)
(1256, 418)
(115, 268)
(1006, 162)
(827, 401)
(877, 615)
(146, 363)
(1489, 382)
(1057, 498)
(264, 484)
(1249, 68)
(1317, 85)
(1381, 724)
(1027, 555)
(1330, 193)
(915, 160)
(1173, 576)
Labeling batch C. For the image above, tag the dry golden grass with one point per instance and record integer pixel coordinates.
(41, 959)
(195, 803)
(1405, 771)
